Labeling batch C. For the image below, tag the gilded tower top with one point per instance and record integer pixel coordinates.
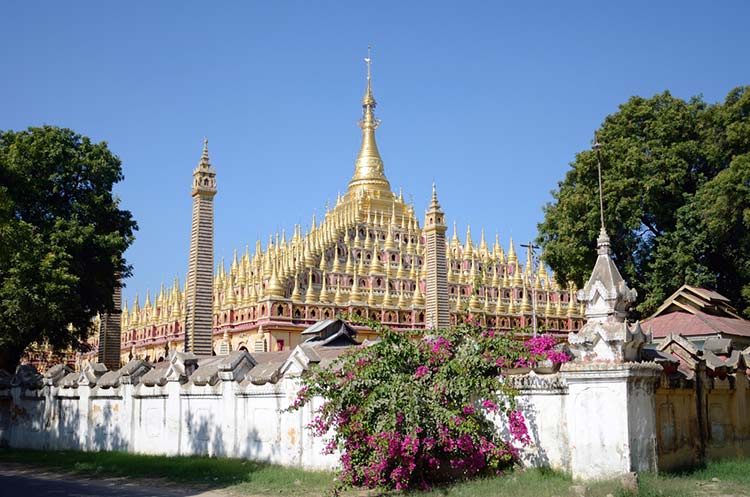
(204, 176)
(434, 218)
(369, 175)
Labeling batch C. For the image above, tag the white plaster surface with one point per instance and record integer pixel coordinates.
(592, 420)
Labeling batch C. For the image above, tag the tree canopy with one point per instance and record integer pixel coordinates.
(62, 237)
(676, 188)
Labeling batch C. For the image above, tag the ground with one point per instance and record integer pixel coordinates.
(106, 474)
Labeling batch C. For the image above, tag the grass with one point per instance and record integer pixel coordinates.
(254, 478)
(733, 476)
(249, 476)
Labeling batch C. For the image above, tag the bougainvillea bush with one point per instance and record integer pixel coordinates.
(413, 410)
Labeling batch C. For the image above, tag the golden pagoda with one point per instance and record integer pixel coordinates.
(367, 257)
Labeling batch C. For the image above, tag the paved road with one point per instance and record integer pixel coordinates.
(21, 481)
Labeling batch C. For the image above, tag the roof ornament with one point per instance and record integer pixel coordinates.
(368, 60)
(369, 174)
(607, 335)
(597, 146)
(602, 243)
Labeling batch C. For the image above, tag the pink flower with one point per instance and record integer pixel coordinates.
(517, 427)
(421, 371)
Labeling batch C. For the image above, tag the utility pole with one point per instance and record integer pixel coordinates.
(532, 281)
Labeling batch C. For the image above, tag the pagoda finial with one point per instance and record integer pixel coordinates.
(368, 169)
(602, 243)
(434, 204)
(368, 99)
(205, 161)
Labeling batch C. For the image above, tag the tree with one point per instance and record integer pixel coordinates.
(673, 173)
(62, 238)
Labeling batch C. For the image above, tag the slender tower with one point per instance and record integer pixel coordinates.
(199, 319)
(109, 332)
(436, 266)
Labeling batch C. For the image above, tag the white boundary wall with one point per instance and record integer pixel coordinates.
(593, 420)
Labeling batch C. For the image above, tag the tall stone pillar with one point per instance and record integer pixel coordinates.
(200, 279)
(437, 308)
(110, 331)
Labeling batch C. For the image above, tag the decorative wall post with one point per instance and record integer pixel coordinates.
(610, 412)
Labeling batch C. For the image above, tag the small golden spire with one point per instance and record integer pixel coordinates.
(375, 266)
(402, 300)
(499, 306)
(417, 299)
(372, 299)
(324, 297)
(338, 297)
(354, 295)
(572, 307)
(296, 295)
(525, 304)
(387, 302)
(512, 252)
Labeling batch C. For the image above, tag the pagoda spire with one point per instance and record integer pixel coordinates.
(368, 170)
(437, 303)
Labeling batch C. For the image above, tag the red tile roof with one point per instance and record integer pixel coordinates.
(696, 324)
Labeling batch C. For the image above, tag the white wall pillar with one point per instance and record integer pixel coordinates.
(611, 418)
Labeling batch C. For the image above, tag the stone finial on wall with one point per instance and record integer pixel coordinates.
(91, 372)
(131, 372)
(181, 366)
(55, 374)
(607, 335)
(236, 365)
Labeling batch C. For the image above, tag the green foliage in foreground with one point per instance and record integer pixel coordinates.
(676, 190)
(253, 478)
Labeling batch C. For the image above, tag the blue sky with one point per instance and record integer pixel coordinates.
(491, 100)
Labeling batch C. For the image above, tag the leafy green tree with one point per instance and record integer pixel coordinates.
(674, 199)
(62, 237)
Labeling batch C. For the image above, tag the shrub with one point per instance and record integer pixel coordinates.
(413, 410)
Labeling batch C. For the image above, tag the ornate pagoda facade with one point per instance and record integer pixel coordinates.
(369, 257)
